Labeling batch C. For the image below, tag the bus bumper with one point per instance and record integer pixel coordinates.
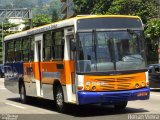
(86, 97)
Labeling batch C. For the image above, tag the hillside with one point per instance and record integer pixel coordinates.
(38, 6)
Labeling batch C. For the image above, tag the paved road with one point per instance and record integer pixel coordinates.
(38, 109)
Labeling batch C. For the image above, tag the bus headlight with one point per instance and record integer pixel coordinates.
(88, 83)
(136, 85)
(142, 84)
(94, 88)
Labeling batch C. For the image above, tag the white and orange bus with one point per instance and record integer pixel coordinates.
(82, 60)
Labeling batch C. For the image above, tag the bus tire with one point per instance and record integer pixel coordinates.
(22, 92)
(59, 99)
(120, 107)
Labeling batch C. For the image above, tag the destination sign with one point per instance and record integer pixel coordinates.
(43, 29)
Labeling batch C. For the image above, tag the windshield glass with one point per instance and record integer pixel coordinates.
(109, 51)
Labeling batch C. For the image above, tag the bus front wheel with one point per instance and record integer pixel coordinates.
(22, 93)
(59, 100)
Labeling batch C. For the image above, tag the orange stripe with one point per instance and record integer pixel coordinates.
(35, 67)
(36, 70)
(52, 67)
(68, 68)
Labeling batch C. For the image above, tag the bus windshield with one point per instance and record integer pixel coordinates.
(104, 51)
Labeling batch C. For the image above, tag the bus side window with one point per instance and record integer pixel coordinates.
(31, 53)
(25, 49)
(47, 46)
(18, 50)
(58, 45)
(10, 51)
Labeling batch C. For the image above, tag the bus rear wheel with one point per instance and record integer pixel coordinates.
(59, 100)
(22, 93)
(120, 107)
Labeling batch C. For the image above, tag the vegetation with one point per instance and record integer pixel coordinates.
(146, 9)
(152, 33)
(153, 30)
(38, 20)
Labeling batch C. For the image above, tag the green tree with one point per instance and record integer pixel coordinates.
(91, 6)
(146, 9)
(41, 19)
(54, 16)
(152, 34)
(152, 31)
(55, 10)
(48, 7)
(38, 20)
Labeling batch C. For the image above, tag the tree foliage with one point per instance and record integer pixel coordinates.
(41, 19)
(38, 20)
(146, 9)
(5, 28)
(152, 34)
(7, 25)
(152, 31)
(91, 6)
(54, 16)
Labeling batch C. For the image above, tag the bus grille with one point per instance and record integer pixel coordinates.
(115, 82)
(121, 83)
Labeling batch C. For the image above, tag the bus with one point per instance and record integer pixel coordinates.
(92, 59)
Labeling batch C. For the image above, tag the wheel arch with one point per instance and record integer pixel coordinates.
(55, 85)
(58, 83)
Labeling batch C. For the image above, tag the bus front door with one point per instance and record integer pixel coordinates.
(37, 62)
(69, 59)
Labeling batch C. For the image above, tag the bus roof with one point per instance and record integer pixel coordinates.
(60, 24)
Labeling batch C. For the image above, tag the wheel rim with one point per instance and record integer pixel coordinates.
(59, 98)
